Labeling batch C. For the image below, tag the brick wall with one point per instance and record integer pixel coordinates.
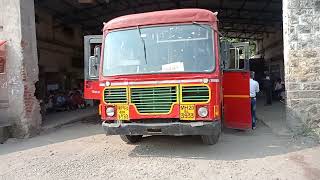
(302, 63)
(3, 76)
(18, 29)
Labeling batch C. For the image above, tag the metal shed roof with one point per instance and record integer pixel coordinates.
(238, 18)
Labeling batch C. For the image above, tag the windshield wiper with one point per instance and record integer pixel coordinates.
(205, 27)
(144, 45)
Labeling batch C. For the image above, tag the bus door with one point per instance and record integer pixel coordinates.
(236, 88)
(92, 53)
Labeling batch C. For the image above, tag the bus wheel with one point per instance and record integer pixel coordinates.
(210, 139)
(131, 139)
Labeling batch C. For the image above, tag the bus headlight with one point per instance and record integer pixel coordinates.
(108, 83)
(203, 112)
(206, 81)
(110, 111)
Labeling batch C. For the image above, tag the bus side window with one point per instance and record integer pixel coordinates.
(235, 56)
(225, 54)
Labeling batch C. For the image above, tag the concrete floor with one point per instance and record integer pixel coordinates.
(274, 116)
(82, 151)
(58, 119)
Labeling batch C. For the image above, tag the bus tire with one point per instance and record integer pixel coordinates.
(211, 139)
(131, 139)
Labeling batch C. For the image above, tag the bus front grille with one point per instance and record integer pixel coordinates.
(195, 94)
(154, 99)
(115, 95)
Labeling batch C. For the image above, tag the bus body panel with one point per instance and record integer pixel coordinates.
(236, 100)
(228, 89)
(91, 83)
(92, 90)
(213, 103)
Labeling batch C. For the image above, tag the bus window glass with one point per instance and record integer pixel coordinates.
(161, 49)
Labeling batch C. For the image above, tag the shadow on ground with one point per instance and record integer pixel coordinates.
(233, 145)
(88, 127)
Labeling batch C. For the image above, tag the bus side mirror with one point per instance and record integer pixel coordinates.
(94, 62)
(97, 51)
(93, 67)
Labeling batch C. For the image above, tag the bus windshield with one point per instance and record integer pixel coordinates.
(161, 49)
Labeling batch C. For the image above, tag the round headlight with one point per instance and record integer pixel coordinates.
(108, 83)
(206, 81)
(203, 112)
(110, 111)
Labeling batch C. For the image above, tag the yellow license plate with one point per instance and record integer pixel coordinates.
(123, 112)
(187, 112)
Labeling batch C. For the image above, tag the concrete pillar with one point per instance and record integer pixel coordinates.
(18, 28)
(301, 26)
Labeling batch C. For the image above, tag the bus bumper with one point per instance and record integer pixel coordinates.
(172, 128)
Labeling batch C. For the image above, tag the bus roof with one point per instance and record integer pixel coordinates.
(161, 17)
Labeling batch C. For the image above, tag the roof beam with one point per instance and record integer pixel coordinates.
(250, 18)
(148, 4)
(75, 11)
(253, 20)
(243, 4)
(244, 31)
(264, 7)
(221, 4)
(131, 6)
(178, 3)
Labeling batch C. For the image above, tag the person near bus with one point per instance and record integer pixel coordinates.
(254, 89)
(267, 86)
(278, 88)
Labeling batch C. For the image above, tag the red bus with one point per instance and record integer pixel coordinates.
(167, 73)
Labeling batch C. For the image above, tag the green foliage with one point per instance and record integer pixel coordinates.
(252, 44)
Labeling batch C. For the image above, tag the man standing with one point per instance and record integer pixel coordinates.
(254, 89)
(267, 85)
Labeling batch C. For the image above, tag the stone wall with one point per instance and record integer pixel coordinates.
(18, 29)
(56, 50)
(302, 63)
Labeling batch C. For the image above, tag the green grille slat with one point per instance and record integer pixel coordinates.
(195, 94)
(204, 90)
(154, 99)
(115, 95)
(163, 94)
(196, 97)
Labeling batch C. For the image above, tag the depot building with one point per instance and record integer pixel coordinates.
(41, 49)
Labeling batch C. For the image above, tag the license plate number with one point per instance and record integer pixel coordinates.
(187, 112)
(123, 112)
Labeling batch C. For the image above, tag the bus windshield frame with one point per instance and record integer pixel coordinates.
(181, 48)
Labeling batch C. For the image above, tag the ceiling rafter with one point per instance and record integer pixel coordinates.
(264, 7)
(243, 18)
(146, 4)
